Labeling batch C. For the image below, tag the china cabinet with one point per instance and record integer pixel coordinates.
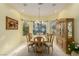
(65, 33)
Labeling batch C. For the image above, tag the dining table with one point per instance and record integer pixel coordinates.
(43, 37)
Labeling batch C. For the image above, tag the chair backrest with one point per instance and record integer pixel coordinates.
(47, 36)
(29, 37)
(51, 38)
(39, 40)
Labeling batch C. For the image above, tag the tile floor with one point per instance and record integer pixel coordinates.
(23, 51)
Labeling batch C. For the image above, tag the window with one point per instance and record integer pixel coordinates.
(53, 26)
(39, 27)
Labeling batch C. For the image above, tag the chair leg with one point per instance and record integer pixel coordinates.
(28, 48)
(52, 49)
(48, 50)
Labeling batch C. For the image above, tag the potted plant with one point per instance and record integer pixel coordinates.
(73, 47)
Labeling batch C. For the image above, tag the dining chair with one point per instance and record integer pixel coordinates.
(29, 42)
(50, 43)
(39, 45)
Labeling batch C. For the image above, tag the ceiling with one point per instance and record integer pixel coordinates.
(39, 9)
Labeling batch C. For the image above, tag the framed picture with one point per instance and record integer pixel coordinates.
(25, 28)
(11, 24)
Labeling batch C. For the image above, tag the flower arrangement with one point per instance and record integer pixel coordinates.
(73, 47)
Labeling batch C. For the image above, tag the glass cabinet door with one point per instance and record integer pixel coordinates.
(69, 29)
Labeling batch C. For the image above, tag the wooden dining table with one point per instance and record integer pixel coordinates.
(35, 36)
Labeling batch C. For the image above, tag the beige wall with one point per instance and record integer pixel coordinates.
(9, 39)
(72, 12)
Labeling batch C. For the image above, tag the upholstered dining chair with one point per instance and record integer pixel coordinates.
(50, 43)
(39, 45)
(29, 42)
